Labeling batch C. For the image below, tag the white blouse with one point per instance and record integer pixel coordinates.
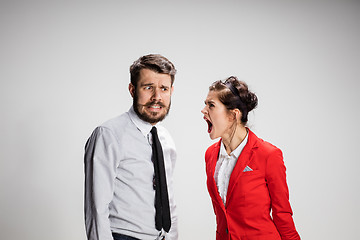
(224, 167)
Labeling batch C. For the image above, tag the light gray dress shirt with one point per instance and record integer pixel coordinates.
(119, 193)
(225, 166)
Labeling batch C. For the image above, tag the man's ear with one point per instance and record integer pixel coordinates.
(132, 89)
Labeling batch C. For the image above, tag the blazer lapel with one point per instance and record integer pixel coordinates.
(243, 161)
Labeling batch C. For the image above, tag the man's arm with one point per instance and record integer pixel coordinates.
(100, 172)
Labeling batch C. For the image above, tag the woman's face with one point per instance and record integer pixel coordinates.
(217, 116)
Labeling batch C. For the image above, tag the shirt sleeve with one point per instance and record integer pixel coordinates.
(279, 193)
(173, 233)
(100, 171)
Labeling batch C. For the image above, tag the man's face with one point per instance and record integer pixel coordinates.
(152, 95)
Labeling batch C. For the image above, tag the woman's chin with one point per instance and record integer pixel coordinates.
(212, 136)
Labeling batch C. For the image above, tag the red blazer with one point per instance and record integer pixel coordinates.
(252, 195)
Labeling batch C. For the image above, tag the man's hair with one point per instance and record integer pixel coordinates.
(154, 62)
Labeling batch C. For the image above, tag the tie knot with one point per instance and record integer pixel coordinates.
(153, 130)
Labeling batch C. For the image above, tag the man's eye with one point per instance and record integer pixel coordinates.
(164, 89)
(211, 105)
(148, 87)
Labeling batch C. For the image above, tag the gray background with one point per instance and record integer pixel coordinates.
(64, 70)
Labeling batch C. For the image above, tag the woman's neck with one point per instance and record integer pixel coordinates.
(234, 139)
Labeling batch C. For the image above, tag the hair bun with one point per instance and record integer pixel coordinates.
(251, 101)
(247, 97)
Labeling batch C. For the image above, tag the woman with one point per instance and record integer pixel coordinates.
(246, 176)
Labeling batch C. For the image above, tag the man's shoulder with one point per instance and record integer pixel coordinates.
(165, 136)
(117, 123)
(162, 129)
(117, 126)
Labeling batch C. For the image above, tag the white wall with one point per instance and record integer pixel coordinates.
(64, 70)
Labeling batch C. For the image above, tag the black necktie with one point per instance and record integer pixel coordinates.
(162, 216)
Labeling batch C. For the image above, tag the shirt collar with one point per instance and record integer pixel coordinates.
(236, 153)
(143, 126)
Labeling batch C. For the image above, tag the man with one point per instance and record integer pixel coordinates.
(126, 196)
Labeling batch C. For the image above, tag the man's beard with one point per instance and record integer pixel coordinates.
(150, 117)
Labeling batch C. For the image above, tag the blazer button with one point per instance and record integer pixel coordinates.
(227, 231)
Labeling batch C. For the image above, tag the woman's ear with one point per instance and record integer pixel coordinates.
(236, 114)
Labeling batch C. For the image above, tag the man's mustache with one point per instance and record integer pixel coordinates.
(154, 102)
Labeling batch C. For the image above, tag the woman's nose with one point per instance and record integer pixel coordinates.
(203, 111)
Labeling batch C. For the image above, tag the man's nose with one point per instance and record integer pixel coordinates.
(156, 94)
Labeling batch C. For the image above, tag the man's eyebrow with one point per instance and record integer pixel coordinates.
(209, 101)
(146, 84)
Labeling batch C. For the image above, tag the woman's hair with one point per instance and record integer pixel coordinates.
(154, 62)
(235, 94)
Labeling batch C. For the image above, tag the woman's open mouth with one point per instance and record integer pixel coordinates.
(210, 125)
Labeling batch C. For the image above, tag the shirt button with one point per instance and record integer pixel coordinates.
(227, 231)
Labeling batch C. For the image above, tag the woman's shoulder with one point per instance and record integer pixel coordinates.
(210, 150)
(263, 145)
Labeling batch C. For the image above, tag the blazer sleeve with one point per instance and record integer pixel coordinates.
(279, 193)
